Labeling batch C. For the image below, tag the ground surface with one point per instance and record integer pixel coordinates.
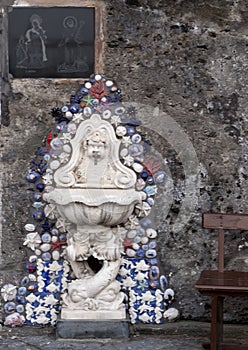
(182, 335)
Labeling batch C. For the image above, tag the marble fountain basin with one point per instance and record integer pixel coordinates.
(91, 206)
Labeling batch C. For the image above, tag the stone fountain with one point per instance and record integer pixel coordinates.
(94, 193)
(92, 244)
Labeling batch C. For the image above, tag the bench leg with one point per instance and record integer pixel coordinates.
(216, 322)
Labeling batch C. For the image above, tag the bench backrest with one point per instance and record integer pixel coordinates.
(223, 222)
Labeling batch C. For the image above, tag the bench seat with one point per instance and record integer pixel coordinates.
(228, 283)
(222, 283)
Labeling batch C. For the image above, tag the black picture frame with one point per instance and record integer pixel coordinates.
(51, 42)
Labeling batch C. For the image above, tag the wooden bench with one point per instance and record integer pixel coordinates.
(222, 283)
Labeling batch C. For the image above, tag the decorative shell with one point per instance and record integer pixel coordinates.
(29, 227)
(8, 292)
(121, 130)
(32, 240)
(14, 320)
(130, 253)
(171, 314)
(131, 234)
(138, 167)
(151, 233)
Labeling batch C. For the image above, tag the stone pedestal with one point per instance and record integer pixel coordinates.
(68, 314)
(92, 329)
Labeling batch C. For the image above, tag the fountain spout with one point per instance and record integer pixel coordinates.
(96, 156)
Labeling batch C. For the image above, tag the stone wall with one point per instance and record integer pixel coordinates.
(186, 62)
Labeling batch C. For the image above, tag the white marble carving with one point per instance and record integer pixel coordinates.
(94, 193)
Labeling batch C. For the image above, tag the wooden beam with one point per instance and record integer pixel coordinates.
(221, 250)
(225, 221)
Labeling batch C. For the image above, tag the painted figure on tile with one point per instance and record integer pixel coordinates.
(36, 43)
(71, 43)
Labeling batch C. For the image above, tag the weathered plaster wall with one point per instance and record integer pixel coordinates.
(189, 58)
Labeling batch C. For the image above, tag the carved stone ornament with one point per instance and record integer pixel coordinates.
(94, 193)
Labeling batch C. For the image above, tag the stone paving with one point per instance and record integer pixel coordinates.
(181, 335)
(148, 343)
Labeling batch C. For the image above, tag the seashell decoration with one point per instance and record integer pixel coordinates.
(32, 240)
(8, 292)
(45, 247)
(14, 320)
(32, 258)
(130, 253)
(171, 314)
(138, 168)
(121, 131)
(151, 233)
(9, 307)
(47, 271)
(29, 227)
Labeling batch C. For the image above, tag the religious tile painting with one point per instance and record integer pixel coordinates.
(54, 42)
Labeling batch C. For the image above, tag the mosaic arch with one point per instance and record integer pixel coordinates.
(37, 298)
